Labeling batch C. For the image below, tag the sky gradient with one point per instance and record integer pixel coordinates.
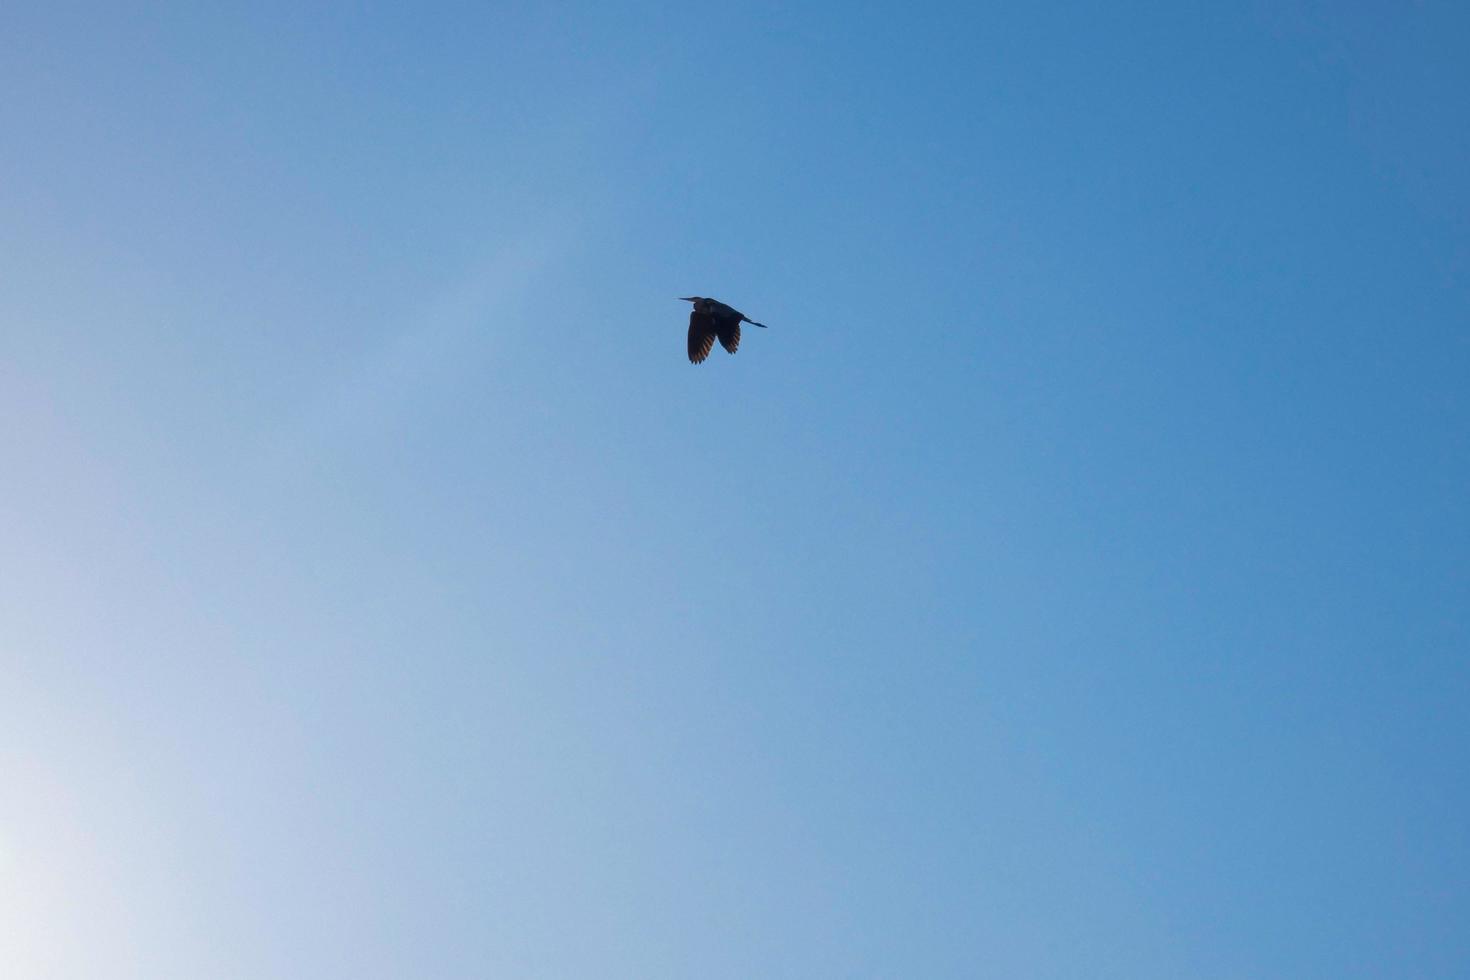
(1071, 582)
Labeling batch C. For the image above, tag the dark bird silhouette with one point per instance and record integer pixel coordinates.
(710, 319)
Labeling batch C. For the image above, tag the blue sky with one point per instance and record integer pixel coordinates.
(1071, 582)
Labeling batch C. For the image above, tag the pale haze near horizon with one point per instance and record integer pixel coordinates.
(1072, 581)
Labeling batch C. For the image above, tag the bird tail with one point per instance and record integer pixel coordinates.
(754, 324)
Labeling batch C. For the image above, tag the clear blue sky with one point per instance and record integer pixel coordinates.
(1071, 582)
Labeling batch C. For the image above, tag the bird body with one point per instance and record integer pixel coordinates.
(710, 320)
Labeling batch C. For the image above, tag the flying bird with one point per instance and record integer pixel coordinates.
(710, 319)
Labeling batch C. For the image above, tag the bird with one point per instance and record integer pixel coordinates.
(710, 319)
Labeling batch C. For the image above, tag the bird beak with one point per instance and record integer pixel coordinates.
(686, 299)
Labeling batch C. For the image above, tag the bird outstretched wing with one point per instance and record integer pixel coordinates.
(702, 332)
(729, 331)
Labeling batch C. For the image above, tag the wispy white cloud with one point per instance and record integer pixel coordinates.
(435, 349)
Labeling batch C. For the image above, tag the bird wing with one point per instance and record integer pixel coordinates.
(729, 331)
(701, 336)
